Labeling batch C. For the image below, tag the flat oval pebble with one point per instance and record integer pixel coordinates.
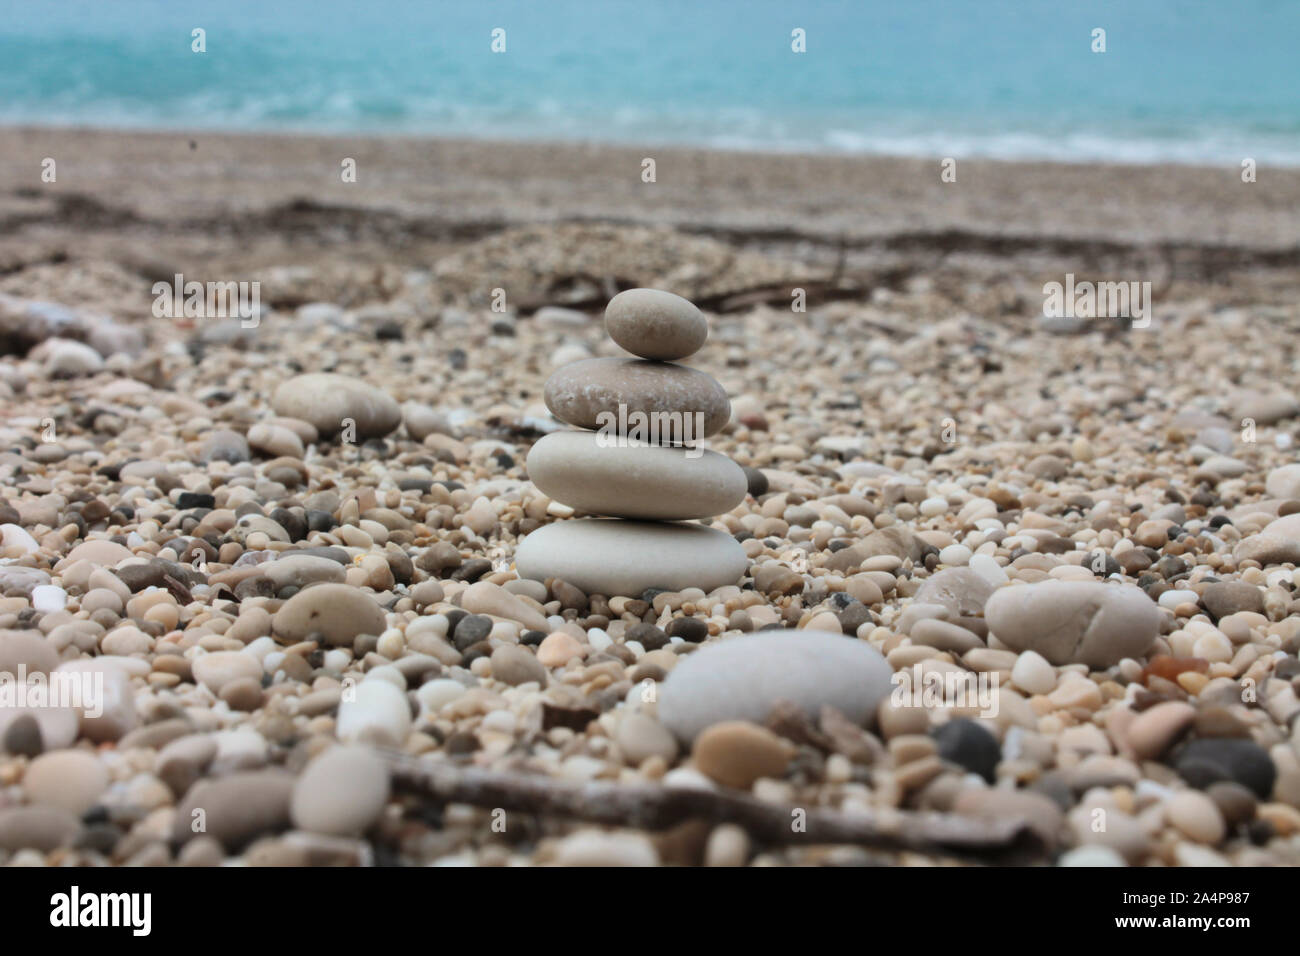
(235, 808)
(1082, 622)
(655, 324)
(214, 671)
(742, 678)
(735, 753)
(70, 779)
(342, 792)
(584, 393)
(611, 557)
(646, 481)
(327, 401)
(337, 612)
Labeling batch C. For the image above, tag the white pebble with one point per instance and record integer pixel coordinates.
(987, 567)
(955, 555)
(1171, 599)
(933, 507)
(437, 694)
(1033, 673)
(48, 598)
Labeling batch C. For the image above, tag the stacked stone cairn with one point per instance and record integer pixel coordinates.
(637, 461)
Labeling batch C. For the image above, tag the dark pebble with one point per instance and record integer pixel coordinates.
(294, 522)
(756, 481)
(647, 635)
(320, 521)
(471, 629)
(472, 570)
(967, 744)
(854, 616)
(1102, 564)
(23, 737)
(690, 629)
(1208, 761)
(193, 499)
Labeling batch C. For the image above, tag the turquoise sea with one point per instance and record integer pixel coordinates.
(1179, 81)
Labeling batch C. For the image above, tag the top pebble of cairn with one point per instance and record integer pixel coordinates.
(655, 324)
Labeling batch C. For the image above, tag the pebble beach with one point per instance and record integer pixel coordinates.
(284, 547)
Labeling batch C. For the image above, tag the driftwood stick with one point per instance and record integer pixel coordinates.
(656, 807)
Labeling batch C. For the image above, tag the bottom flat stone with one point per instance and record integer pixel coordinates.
(612, 557)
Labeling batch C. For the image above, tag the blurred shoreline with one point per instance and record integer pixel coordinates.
(232, 204)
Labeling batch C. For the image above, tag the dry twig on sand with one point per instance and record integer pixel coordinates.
(656, 807)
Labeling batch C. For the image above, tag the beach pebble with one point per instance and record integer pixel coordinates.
(1207, 761)
(48, 598)
(65, 358)
(514, 664)
(1085, 622)
(275, 441)
(26, 652)
(342, 792)
(300, 570)
(644, 481)
(728, 845)
(224, 445)
(72, 780)
(602, 556)
(215, 670)
(112, 712)
(640, 737)
(329, 401)
(1032, 673)
(41, 828)
(1283, 482)
(655, 325)
(1091, 856)
(337, 612)
(1158, 728)
(963, 591)
(969, 745)
(484, 597)
(589, 393)
(1223, 598)
(735, 753)
(377, 714)
(558, 649)
(1196, 816)
(742, 678)
(235, 808)
(597, 848)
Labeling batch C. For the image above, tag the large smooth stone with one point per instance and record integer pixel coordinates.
(326, 400)
(610, 557)
(742, 678)
(583, 393)
(1082, 622)
(235, 808)
(337, 612)
(644, 481)
(961, 590)
(655, 324)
